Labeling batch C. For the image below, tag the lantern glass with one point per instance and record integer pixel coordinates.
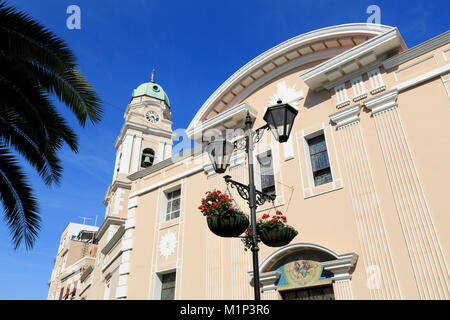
(280, 119)
(219, 152)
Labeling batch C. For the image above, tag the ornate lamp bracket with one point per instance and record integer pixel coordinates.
(244, 192)
(241, 144)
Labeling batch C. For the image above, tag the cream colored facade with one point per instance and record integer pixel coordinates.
(377, 230)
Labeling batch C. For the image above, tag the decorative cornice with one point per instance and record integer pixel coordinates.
(106, 223)
(382, 102)
(346, 116)
(115, 238)
(156, 103)
(142, 128)
(342, 266)
(422, 78)
(113, 187)
(353, 59)
(268, 280)
(417, 51)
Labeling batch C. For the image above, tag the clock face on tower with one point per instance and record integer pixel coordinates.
(152, 116)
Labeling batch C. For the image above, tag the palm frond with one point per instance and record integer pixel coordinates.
(21, 208)
(46, 163)
(23, 37)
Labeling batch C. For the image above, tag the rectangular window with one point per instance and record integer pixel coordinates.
(266, 173)
(173, 204)
(168, 286)
(320, 164)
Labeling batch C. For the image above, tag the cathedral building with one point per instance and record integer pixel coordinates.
(360, 178)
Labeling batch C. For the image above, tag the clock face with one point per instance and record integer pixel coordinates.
(152, 116)
(167, 244)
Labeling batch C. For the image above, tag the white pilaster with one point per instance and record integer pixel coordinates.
(137, 154)
(168, 151)
(127, 247)
(160, 156)
(126, 154)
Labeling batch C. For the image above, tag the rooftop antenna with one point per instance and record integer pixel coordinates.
(153, 73)
(84, 219)
(95, 224)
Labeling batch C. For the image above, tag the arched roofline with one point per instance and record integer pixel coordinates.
(273, 58)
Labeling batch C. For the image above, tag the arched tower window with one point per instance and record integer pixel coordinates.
(148, 156)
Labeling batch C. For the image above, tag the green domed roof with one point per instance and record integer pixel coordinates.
(153, 90)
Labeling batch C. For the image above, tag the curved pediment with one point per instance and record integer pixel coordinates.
(315, 46)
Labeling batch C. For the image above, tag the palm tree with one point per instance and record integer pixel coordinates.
(34, 66)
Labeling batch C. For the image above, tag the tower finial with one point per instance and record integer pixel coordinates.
(153, 73)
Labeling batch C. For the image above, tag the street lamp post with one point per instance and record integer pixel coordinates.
(279, 119)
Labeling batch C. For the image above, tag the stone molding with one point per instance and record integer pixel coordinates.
(345, 116)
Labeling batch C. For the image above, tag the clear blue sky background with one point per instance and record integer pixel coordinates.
(194, 46)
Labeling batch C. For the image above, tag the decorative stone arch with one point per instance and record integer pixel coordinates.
(339, 266)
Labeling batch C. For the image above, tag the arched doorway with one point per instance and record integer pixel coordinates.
(305, 271)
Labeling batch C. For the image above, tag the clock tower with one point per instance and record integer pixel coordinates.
(145, 139)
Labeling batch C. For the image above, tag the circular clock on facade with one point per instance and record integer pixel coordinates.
(152, 116)
(167, 244)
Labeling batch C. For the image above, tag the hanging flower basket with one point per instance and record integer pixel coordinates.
(222, 217)
(277, 237)
(232, 226)
(273, 231)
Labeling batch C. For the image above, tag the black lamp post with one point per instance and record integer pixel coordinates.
(280, 119)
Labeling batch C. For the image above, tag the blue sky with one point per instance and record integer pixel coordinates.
(194, 47)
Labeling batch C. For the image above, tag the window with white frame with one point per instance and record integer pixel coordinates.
(359, 91)
(266, 173)
(173, 200)
(376, 81)
(168, 282)
(341, 96)
(319, 161)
